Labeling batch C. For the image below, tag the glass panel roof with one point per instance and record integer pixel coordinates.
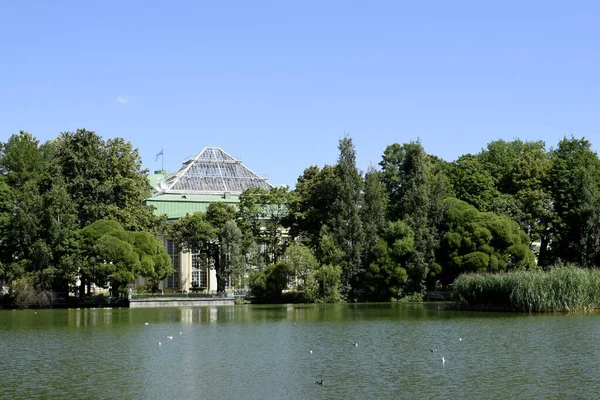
(212, 171)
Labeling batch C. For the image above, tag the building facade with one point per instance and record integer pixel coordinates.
(210, 176)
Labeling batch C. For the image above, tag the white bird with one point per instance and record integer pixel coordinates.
(170, 337)
(310, 351)
(159, 343)
(460, 339)
(443, 360)
(355, 344)
(180, 333)
(146, 323)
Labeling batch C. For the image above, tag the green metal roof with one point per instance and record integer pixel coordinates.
(156, 177)
(176, 206)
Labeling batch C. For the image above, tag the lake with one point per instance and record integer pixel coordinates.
(264, 352)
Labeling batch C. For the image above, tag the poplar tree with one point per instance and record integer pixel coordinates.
(416, 194)
(347, 228)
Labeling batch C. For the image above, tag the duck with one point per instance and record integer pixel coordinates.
(434, 350)
(356, 344)
(319, 382)
(170, 337)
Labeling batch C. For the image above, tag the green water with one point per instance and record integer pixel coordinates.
(263, 352)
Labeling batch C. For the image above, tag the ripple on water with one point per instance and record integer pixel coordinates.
(263, 353)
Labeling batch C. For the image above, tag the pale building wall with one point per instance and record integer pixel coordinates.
(212, 280)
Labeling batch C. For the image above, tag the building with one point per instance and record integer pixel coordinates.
(210, 176)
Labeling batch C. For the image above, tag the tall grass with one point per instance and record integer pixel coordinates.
(562, 288)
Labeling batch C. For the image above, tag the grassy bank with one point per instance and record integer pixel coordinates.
(564, 288)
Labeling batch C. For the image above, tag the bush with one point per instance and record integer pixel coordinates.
(24, 294)
(267, 285)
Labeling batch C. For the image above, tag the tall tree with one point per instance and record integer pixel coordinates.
(225, 240)
(311, 207)
(347, 229)
(574, 177)
(231, 254)
(416, 190)
(104, 179)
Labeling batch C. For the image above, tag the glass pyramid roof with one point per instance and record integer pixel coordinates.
(211, 171)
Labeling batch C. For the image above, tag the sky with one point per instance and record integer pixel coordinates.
(278, 83)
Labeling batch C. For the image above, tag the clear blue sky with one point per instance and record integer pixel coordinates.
(280, 82)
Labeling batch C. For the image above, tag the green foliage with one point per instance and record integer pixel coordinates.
(330, 284)
(24, 294)
(473, 183)
(104, 179)
(386, 275)
(574, 179)
(564, 288)
(373, 210)
(262, 214)
(231, 254)
(480, 242)
(112, 255)
(346, 227)
(267, 285)
(311, 205)
(304, 267)
(417, 188)
(412, 298)
(215, 236)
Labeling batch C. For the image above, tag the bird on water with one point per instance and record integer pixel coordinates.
(319, 382)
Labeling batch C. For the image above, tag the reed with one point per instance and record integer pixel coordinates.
(561, 288)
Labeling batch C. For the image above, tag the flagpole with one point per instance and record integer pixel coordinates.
(162, 161)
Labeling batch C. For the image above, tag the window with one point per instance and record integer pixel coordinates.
(199, 273)
(173, 251)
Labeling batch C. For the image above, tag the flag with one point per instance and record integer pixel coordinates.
(160, 153)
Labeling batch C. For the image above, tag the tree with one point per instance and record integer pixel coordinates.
(472, 182)
(231, 254)
(155, 262)
(194, 234)
(215, 237)
(38, 234)
(473, 241)
(128, 186)
(114, 256)
(21, 160)
(104, 179)
(373, 209)
(573, 178)
(262, 213)
(386, 274)
(304, 267)
(417, 188)
(346, 226)
(267, 285)
(311, 206)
